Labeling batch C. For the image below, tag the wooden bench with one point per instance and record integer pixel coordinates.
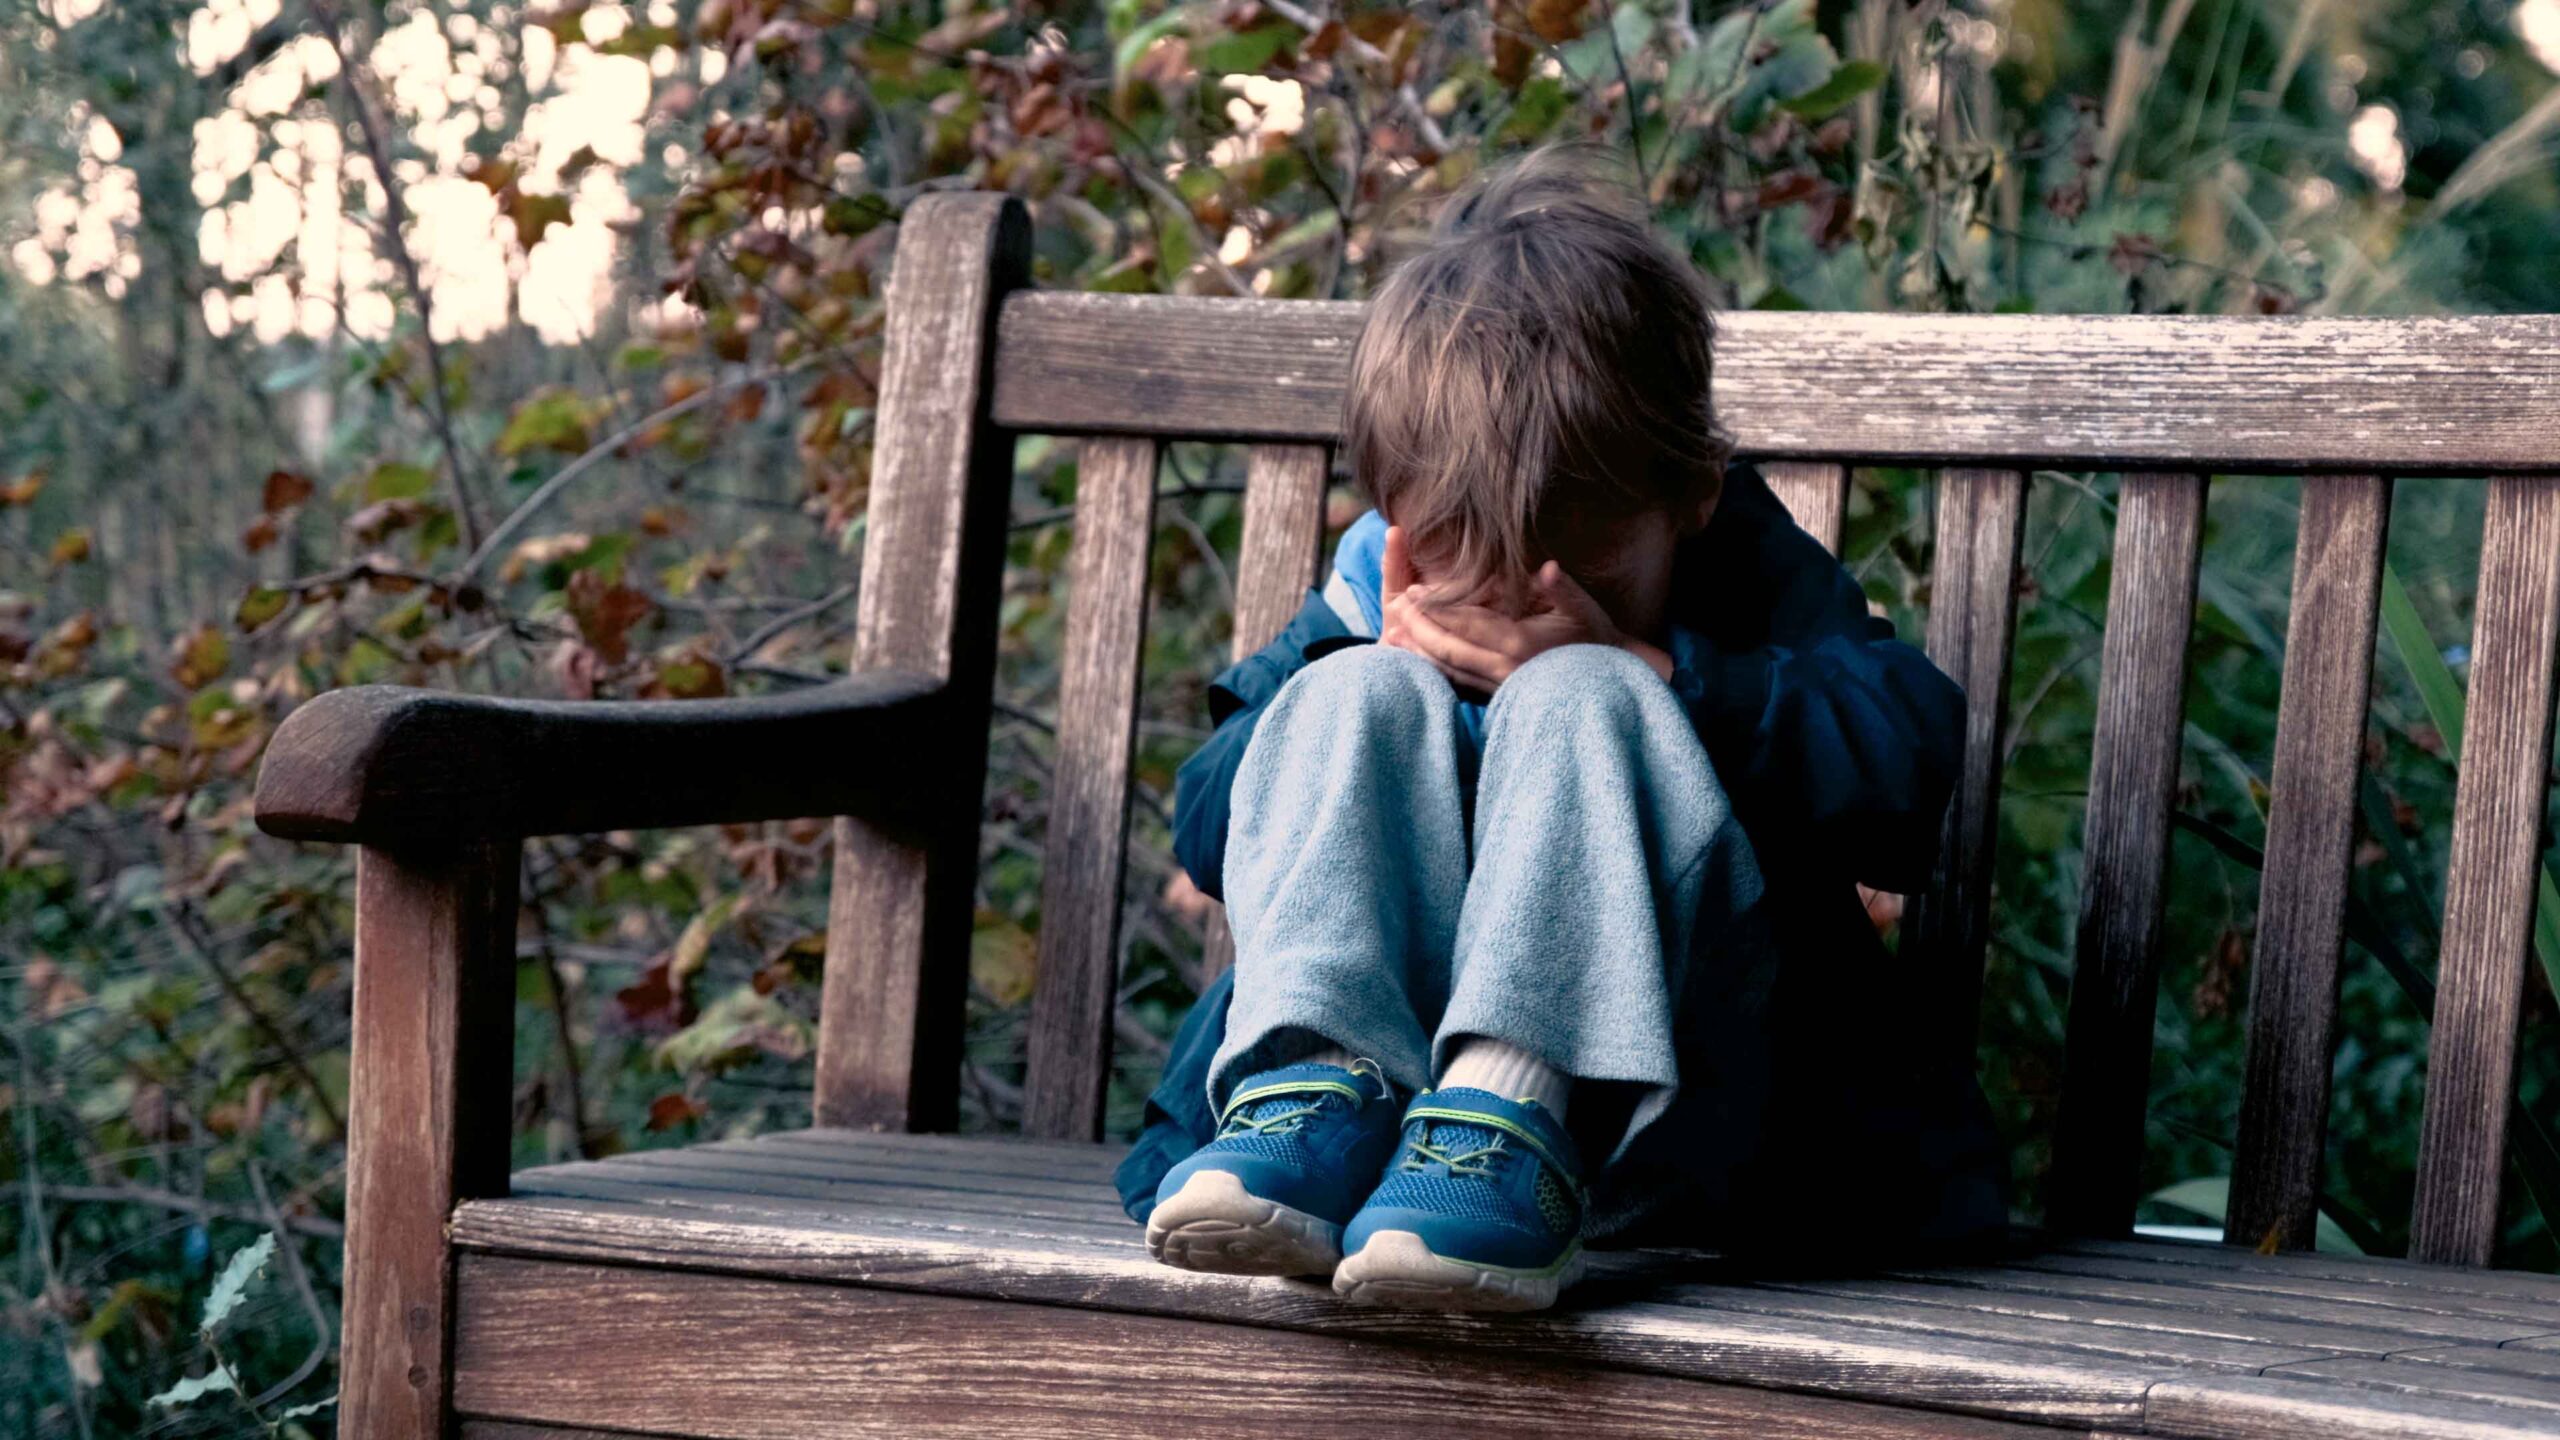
(871, 1277)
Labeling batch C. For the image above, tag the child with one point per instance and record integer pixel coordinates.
(1539, 828)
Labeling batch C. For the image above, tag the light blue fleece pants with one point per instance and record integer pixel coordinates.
(1579, 889)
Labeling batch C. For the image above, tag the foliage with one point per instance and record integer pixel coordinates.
(234, 476)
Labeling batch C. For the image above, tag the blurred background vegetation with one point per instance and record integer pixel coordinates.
(532, 351)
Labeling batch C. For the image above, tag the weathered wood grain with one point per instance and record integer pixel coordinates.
(1815, 493)
(898, 918)
(1086, 850)
(2384, 1271)
(2409, 1327)
(390, 765)
(2131, 1308)
(2447, 1382)
(1973, 608)
(2133, 778)
(2302, 901)
(1927, 1371)
(2490, 877)
(2272, 1408)
(1280, 557)
(427, 1117)
(2148, 1344)
(826, 1361)
(2519, 1317)
(2253, 395)
(2533, 1364)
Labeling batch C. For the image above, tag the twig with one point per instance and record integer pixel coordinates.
(595, 455)
(181, 925)
(757, 638)
(320, 1226)
(321, 1329)
(395, 220)
(1368, 54)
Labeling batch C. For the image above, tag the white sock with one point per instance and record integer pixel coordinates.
(1479, 1063)
(1327, 1055)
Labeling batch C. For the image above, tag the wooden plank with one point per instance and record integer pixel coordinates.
(2505, 1360)
(2524, 1316)
(2490, 878)
(840, 1183)
(1087, 846)
(2271, 1408)
(557, 1344)
(2380, 1270)
(1066, 1159)
(1932, 1371)
(2133, 779)
(2416, 1327)
(1815, 493)
(1279, 559)
(2136, 1312)
(430, 1091)
(1973, 608)
(898, 919)
(837, 1205)
(2255, 395)
(2311, 822)
(2154, 1346)
(2400, 1377)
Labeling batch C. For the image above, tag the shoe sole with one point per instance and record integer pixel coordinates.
(1395, 1269)
(1214, 1224)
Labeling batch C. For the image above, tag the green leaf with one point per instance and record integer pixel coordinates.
(217, 1381)
(232, 1285)
(552, 418)
(1847, 83)
(2442, 695)
(2210, 1197)
(1243, 52)
(398, 480)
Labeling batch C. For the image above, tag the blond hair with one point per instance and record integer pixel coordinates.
(1544, 359)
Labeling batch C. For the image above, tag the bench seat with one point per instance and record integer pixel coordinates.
(837, 1283)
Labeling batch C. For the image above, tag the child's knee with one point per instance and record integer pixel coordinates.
(1581, 677)
(1371, 679)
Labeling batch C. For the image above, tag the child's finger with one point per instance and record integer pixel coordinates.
(1396, 568)
(1564, 592)
(1485, 627)
(1449, 650)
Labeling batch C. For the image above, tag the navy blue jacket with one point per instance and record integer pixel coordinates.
(1837, 743)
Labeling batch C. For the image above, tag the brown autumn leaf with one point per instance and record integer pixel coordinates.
(1556, 21)
(534, 215)
(673, 1109)
(199, 657)
(24, 489)
(2133, 252)
(258, 534)
(71, 547)
(605, 611)
(284, 489)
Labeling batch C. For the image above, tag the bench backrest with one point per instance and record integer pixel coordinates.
(975, 357)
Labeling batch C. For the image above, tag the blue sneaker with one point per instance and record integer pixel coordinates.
(1297, 1150)
(1482, 1210)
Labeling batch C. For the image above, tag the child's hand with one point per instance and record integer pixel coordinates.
(1477, 646)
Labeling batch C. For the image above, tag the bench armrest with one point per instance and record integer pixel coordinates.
(397, 768)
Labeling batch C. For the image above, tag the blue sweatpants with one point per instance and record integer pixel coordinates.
(1576, 885)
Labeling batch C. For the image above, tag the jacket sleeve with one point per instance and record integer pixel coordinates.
(1237, 699)
(1838, 743)
(1841, 754)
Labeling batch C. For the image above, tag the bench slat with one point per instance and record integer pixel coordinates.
(1284, 488)
(2302, 902)
(2490, 876)
(1279, 558)
(2274, 1408)
(1816, 493)
(2255, 395)
(1973, 608)
(825, 1361)
(2133, 778)
(896, 982)
(1086, 848)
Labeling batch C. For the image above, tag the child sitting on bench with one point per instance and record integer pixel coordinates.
(1540, 828)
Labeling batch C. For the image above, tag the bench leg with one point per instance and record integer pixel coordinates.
(431, 1084)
